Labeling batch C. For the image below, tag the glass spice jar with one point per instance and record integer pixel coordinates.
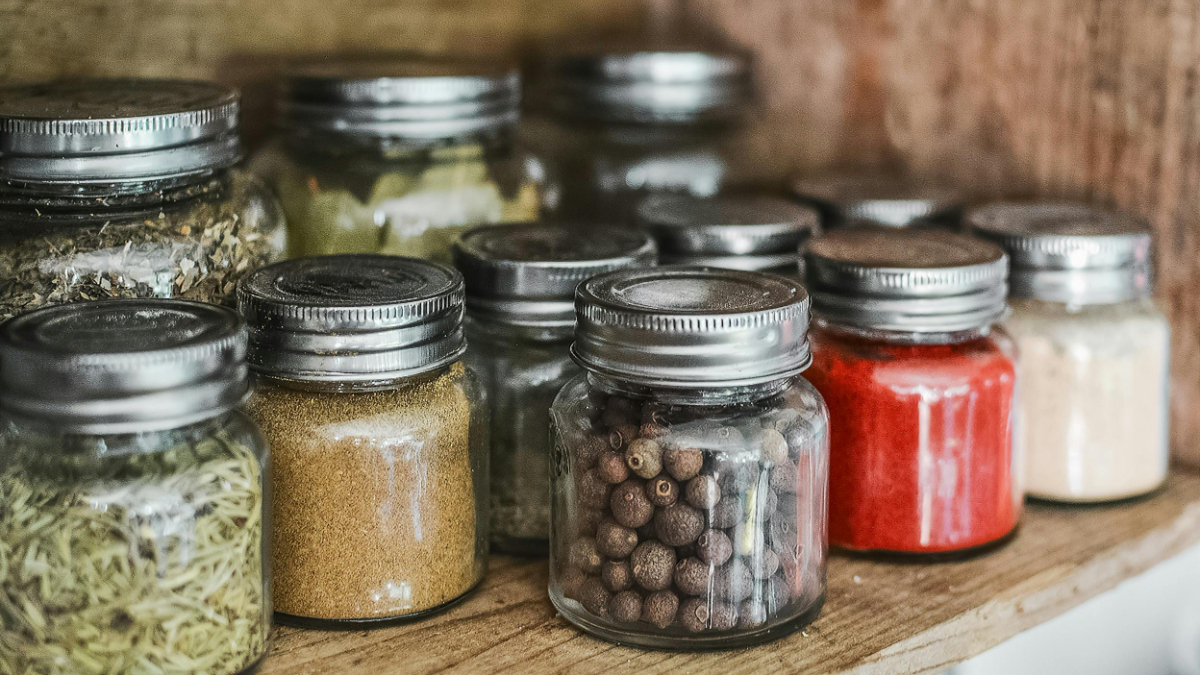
(746, 232)
(920, 384)
(520, 282)
(125, 188)
(1094, 349)
(378, 436)
(399, 156)
(689, 466)
(618, 126)
(133, 530)
(887, 198)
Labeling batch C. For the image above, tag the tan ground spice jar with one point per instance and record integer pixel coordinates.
(379, 464)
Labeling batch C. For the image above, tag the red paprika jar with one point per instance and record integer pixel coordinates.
(920, 385)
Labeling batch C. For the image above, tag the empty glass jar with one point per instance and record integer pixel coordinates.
(690, 461)
(888, 198)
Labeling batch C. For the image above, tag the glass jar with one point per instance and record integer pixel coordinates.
(1095, 382)
(133, 524)
(123, 189)
(920, 384)
(689, 470)
(398, 156)
(747, 232)
(378, 437)
(520, 282)
(887, 198)
(621, 125)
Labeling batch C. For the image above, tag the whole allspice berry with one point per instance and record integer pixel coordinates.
(662, 491)
(660, 608)
(653, 565)
(615, 541)
(585, 555)
(571, 581)
(612, 468)
(617, 575)
(586, 521)
(652, 430)
(629, 504)
(763, 563)
(776, 593)
(591, 490)
(724, 616)
(752, 614)
(727, 513)
(678, 524)
(784, 536)
(620, 437)
(595, 597)
(626, 606)
(703, 492)
(694, 614)
(767, 504)
(773, 445)
(733, 582)
(714, 547)
(693, 576)
(588, 451)
(683, 463)
(644, 457)
(784, 479)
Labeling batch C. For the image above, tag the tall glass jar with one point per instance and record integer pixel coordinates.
(1095, 351)
(521, 283)
(124, 189)
(378, 437)
(921, 387)
(133, 529)
(690, 462)
(880, 197)
(618, 126)
(397, 156)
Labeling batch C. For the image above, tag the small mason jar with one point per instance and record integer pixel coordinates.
(617, 126)
(689, 467)
(398, 156)
(741, 232)
(920, 384)
(125, 189)
(886, 198)
(521, 283)
(133, 523)
(1095, 382)
(378, 437)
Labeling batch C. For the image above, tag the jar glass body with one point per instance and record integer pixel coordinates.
(380, 495)
(713, 535)
(522, 370)
(1094, 398)
(924, 456)
(132, 542)
(345, 193)
(189, 239)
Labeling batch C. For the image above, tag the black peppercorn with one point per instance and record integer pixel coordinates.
(693, 576)
(620, 437)
(591, 490)
(714, 547)
(694, 614)
(683, 463)
(617, 575)
(773, 445)
(662, 491)
(660, 608)
(595, 597)
(727, 512)
(629, 504)
(644, 457)
(703, 492)
(752, 614)
(733, 582)
(611, 467)
(784, 479)
(678, 524)
(626, 606)
(585, 555)
(571, 581)
(653, 565)
(615, 541)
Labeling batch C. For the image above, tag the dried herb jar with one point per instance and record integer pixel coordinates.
(397, 156)
(690, 462)
(378, 435)
(133, 531)
(880, 197)
(1095, 350)
(921, 386)
(125, 188)
(520, 282)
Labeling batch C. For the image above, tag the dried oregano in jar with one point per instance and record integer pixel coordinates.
(689, 483)
(131, 536)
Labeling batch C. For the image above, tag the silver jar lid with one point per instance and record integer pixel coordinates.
(1069, 252)
(880, 198)
(116, 130)
(526, 274)
(401, 97)
(652, 86)
(122, 366)
(691, 327)
(353, 318)
(906, 280)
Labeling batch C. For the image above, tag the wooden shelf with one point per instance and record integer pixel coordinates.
(879, 617)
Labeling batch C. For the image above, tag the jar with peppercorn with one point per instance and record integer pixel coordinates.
(689, 461)
(920, 384)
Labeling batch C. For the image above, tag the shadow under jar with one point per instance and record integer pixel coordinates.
(378, 436)
(399, 156)
(690, 460)
(1095, 350)
(920, 384)
(520, 282)
(124, 189)
(133, 529)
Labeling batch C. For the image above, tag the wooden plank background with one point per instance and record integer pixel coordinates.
(1083, 98)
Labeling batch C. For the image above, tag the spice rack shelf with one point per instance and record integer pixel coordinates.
(879, 617)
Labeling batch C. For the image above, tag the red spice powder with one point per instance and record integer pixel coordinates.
(921, 442)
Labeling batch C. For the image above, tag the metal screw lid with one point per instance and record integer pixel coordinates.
(665, 86)
(526, 274)
(906, 280)
(122, 366)
(407, 97)
(891, 199)
(353, 318)
(726, 225)
(116, 130)
(691, 327)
